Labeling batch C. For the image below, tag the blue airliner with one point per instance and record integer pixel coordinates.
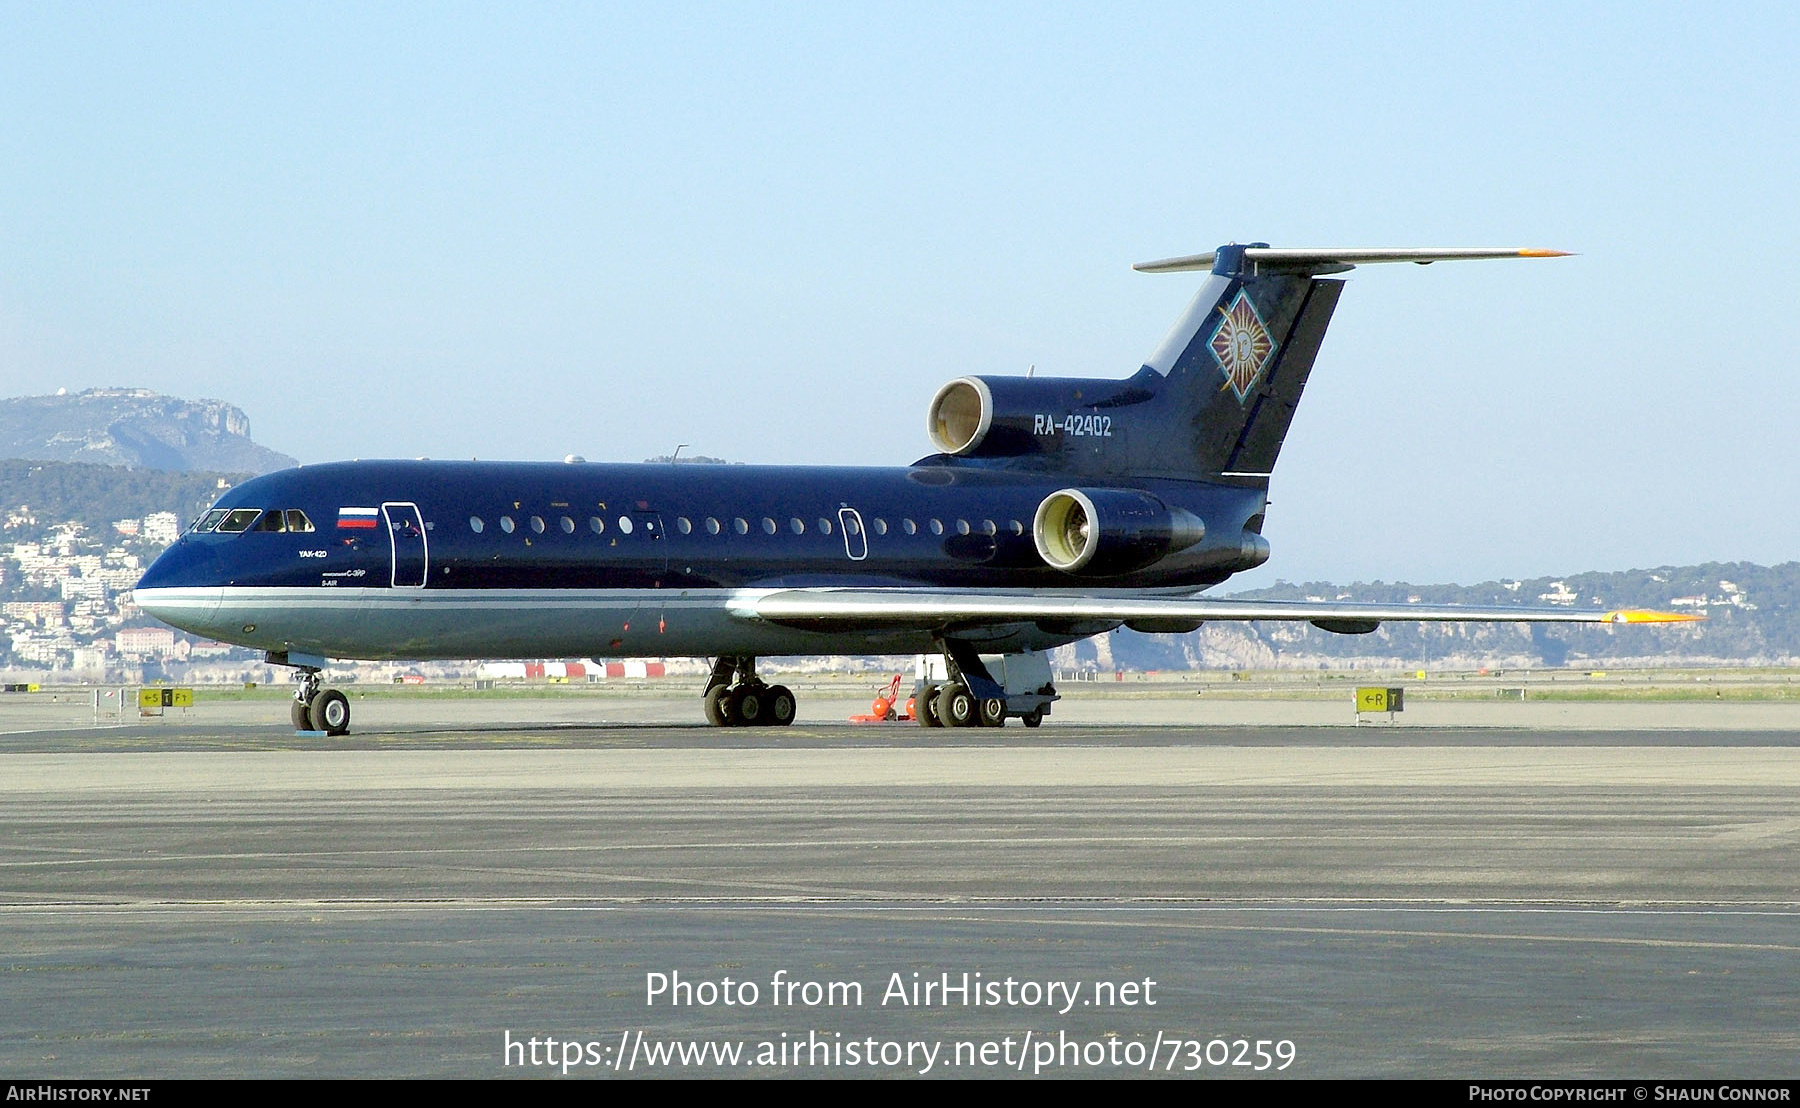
(1054, 509)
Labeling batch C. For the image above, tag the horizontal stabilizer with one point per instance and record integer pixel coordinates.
(1263, 259)
(938, 608)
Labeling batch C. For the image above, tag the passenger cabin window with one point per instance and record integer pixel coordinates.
(624, 525)
(297, 521)
(824, 526)
(684, 524)
(475, 524)
(937, 526)
(741, 525)
(768, 526)
(567, 525)
(880, 526)
(537, 525)
(796, 526)
(506, 524)
(712, 526)
(909, 527)
(597, 525)
(238, 520)
(210, 520)
(962, 526)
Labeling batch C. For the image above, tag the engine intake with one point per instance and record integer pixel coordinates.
(961, 414)
(1101, 532)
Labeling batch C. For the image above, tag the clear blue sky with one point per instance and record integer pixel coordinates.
(527, 230)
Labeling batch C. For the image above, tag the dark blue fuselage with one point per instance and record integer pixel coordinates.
(594, 526)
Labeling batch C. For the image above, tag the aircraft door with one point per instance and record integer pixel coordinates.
(406, 541)
(856, 538)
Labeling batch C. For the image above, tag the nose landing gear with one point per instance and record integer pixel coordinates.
(737, 697)
(314, 708)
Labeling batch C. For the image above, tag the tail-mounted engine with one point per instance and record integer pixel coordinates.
(1103, 532)
(1002, 417)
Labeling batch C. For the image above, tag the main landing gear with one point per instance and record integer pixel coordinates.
(953, 704)
(973, 698)
(314, 707)
(737, 697)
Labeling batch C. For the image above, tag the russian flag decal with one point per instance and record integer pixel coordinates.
(357, 517)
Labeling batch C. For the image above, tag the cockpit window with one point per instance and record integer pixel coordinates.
(210, 520)
(238, 519)
(278, 519)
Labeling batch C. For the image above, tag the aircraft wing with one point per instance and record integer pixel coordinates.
(934, 609)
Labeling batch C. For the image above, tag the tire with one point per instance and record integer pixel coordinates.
(925, 706)
(781, 706)
(297, 713)
(717, 705)
(957, 707)
(330, 713)
(993, 712)
(748, 708)
(1033, 718)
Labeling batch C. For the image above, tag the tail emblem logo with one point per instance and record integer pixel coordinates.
(1242, 346)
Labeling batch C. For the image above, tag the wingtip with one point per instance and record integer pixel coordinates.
(1186, 262)
(1644, 615)
(1546, 254)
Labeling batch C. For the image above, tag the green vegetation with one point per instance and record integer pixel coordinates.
(95, 495)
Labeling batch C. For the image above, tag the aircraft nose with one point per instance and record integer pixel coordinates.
(181, 588)
(189, 609)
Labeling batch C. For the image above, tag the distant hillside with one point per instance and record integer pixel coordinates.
(1753, 616)
(49, 493)
(135, 428)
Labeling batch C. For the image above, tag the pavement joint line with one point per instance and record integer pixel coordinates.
(658, 772)
(1776, 909)
(77, 859)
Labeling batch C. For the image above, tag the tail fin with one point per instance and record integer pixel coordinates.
(1216, 398)
(1234, 365)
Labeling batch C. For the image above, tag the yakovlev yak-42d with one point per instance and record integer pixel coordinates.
(1054, 509)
